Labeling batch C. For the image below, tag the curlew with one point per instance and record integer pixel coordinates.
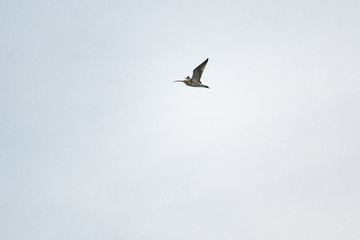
(194, 81)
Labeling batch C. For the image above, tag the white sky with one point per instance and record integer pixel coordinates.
(97, 142)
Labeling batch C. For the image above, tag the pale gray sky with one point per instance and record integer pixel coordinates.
(97, 142)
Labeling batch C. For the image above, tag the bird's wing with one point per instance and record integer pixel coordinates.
(198, 71)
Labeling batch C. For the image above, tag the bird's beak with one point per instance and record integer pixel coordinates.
(178, 81)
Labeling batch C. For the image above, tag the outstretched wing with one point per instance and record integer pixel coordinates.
(198, 71)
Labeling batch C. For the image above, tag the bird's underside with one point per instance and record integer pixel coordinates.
(196, 84)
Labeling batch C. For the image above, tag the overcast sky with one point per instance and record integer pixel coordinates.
(97, 142)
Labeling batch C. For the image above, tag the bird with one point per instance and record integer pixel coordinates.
(194, 81)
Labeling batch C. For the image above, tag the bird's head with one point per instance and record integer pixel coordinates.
(187, 79)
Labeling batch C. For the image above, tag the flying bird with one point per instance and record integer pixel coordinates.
(194, 81)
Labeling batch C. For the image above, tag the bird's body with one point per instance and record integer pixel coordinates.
(194, 81)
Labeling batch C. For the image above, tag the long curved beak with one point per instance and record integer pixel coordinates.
(179, 81)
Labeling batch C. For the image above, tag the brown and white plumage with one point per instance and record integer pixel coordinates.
(194, 81)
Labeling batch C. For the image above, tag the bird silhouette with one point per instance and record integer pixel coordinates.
(194, 81)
